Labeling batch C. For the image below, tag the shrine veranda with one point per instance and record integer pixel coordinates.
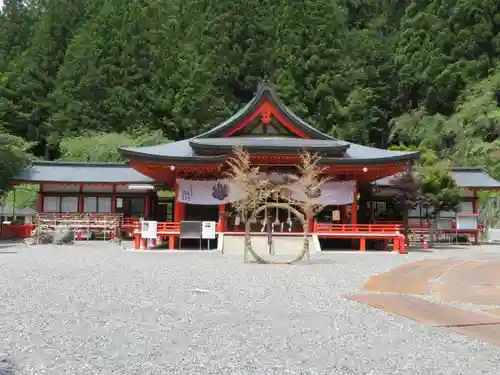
(185, 180)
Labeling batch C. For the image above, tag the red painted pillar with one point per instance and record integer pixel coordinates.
(343, 214)
(475, 211)
(80, 200)
(113, 200)
(40, 199)
(222, 224)
(354, 215)
(178, 215)
(354, 206)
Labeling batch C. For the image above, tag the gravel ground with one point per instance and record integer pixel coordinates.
(95, 309)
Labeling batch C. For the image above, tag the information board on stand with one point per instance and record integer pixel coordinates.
(208, 231)
(149, 229)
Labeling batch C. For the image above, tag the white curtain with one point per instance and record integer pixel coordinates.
(331, 193)
(214, 192)
(225, 191)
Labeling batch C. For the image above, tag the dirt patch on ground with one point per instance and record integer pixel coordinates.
(476, 283)
(479, 326)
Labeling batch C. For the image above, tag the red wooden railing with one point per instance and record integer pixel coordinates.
(130, 222)
(356, 228)
(411, 223)
(168, 228)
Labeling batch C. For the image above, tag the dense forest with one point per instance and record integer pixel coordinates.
(418, 73)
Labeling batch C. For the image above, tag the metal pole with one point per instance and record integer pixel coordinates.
(269, 236)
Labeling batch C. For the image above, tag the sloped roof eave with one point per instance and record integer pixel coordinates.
(222, 158)
(481, 181)
(80, 173)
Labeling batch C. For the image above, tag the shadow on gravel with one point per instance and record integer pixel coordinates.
(9, 244)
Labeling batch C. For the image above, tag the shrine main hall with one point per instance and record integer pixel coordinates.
(182, 181)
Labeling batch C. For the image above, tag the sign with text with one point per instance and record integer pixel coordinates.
(149, 229)
(208, 230)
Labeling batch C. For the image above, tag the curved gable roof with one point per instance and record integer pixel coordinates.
(192, 150)
(265, 93)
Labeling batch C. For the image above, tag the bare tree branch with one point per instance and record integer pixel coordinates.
(260, 188)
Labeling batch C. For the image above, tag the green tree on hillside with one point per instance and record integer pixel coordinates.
(17, 18)
(103, 147)
(428, 183)
(373, 72)
(13, 158)
(29, 78)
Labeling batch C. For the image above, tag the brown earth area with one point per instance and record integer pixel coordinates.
(475, 283)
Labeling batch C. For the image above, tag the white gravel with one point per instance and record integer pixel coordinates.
(94, 309)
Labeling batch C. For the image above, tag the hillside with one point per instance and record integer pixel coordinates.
(420, 73)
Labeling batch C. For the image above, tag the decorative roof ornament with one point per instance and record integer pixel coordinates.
(264, 81)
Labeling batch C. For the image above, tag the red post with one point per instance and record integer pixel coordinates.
(178, 216)
(80, 200)
(113, 200)
(354, 209)
(354, 206)
(137, 241)
(395, 243)
(362, 244)
(40, 199)
(475, 211)
(402, 245)
(222, 225)
(343, 214)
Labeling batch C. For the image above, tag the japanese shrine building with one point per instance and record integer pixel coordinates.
(274, 137)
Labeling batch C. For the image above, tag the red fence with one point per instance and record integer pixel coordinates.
(356, 228)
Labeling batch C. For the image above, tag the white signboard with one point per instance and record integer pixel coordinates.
(208, 230)
(149, 229)
(467, 222)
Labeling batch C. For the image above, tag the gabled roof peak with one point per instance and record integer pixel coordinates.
(266, 95)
